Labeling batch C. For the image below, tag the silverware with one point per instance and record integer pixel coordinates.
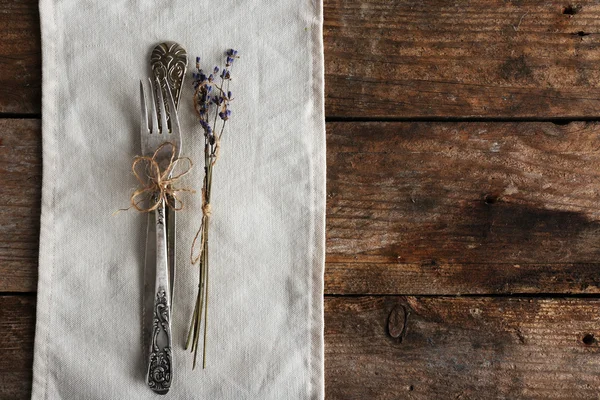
(160, 363)
(169, 63)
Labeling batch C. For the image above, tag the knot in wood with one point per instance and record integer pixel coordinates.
(397, 322)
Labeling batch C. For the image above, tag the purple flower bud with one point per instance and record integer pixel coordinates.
(206, 127)
(229, 95)
(216, 70)
(232, 52)
(224, 115)
(197, 60)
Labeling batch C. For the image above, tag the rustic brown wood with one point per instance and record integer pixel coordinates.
(413, 208)
(482, 58)
(458, 348)
(20, 192)
(403, 58)
(462, 348)
(17, 327)
(438, 208)
(20, 57)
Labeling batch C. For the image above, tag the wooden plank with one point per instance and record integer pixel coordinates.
(20, 57)
(413, 208)
(17, 327)
(383, 59)
(414, 348)
(482, 58)
(20, 194)
(461, 348)
(439, 208)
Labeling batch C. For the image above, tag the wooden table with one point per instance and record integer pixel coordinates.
(463, 215)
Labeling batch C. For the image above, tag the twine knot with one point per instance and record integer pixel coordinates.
(158, 184)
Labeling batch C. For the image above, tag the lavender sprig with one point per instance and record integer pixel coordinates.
(211, 103)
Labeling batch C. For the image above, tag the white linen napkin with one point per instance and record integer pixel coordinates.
(265, 332)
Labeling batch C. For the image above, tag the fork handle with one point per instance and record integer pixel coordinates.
(160, 362)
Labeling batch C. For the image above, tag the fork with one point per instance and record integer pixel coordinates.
(160, 362)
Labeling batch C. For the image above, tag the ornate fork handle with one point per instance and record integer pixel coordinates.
(160, 364)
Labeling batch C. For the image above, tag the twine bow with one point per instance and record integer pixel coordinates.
(157, 184)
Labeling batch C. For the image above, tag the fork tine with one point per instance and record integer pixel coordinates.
(153, 116)
(144, 121)
(172, 110)
(164, 128)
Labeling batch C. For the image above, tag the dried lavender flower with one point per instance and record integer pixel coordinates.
(211, 102)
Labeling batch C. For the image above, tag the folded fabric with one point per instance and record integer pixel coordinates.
(265, 331)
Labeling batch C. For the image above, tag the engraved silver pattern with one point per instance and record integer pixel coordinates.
(169, 63)
(159, 371)
(160, 364)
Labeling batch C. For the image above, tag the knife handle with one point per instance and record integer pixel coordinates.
(171, 248)
(160, 362)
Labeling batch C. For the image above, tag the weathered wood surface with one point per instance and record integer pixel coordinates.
(17, 327)
(413, 208)
(20, 194)
(414, 348)
(461, 348)
(20, 57)
(386, 59)
(482, 58)
(440, 208)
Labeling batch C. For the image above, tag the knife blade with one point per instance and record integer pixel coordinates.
(168, 60)
(169, 64)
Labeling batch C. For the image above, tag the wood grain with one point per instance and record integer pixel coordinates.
(403, 59)
(17, 328)
(20, 57)
(462, 348)
(483, 58)
(440, 208)
(384, 348)
(20, 193)
(413, 208)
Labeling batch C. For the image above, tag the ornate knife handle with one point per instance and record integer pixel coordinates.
(160, 363)
(169, 63)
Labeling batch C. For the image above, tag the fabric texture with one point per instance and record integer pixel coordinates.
(265, 331)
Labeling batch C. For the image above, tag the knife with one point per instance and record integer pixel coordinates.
(168, 61)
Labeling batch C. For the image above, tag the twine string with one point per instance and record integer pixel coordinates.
(206, 212)
(157, 184)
